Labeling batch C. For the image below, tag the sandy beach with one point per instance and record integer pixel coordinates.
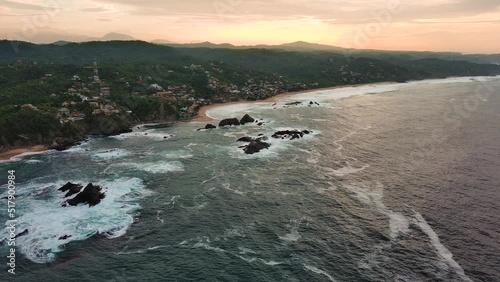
(15, 152)
(202, 113)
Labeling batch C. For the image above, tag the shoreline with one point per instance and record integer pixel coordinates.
(202, 112)
(203, 118)
(10, 154)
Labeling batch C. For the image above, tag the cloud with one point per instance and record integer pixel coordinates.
(348, 11)
(29, 5)
(94, 10)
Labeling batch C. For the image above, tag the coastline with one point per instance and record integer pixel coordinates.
(8, 155)
(202, 112)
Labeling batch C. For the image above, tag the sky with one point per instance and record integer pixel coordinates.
(469, 26)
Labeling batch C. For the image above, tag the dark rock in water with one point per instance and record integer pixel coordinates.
(245, 139)
(61, 144)
(274, 105)
(165, 137)
(229, 121)
(71, 188)
(90, 195)
(316, 103)
(294, 103)
(260, 124)
(311, 103)
(256, 146)
(4, 241)
(290, 134)
(263, 138)
(65, 237)
(260, 134)
(25, 232)
(246, 119)
(210, 126)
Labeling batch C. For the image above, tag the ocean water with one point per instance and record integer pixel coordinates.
(397, 182)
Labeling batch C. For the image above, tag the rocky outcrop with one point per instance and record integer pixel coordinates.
(90, 195)
(245, 139)
(229, 122)
(108, 125)
(25, 232)
(61, 144)
(4, 241)
(71, 188)
(210, 126)
(294, 103)
(255, 146)
(65, 237)
(290, 134)
(246, 119)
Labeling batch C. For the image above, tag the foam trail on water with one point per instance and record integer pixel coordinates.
(440, 248)
(398, 223)
(111, 154)
(318, 271)
(154, 167)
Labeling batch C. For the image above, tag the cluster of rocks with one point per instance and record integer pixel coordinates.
(234, 122)
(255, 145)
(259, 143)
(90, 195)
(290, 134)
(297, 103)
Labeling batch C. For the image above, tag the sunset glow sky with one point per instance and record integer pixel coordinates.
(436, 25)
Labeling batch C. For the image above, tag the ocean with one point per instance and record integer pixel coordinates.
(396, 182)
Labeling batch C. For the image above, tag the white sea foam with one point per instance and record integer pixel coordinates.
(327, 95)
(153, 167)
(440, 248)
(47, 221)
(254, 259)
(34, 161)
(294, 234)
(373, 196)
(152, 134)
(236, 110)
(318, 271)
(208, 247)
(339, 93)
(21, 156)
(178, 154)
(345, 170)
(111, 154)
(244, 251)
(227, 186)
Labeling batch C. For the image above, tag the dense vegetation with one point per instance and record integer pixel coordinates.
(40, 75)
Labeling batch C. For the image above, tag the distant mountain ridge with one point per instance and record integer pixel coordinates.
(303, 46)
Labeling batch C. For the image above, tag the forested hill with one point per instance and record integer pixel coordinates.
(50, 94)
(317, 65)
